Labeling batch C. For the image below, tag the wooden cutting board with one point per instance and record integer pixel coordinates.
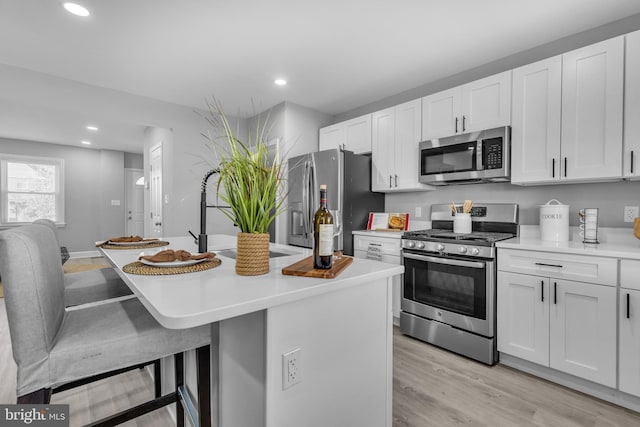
(304, 268)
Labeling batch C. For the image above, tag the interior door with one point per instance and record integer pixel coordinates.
(134, 202)
(156, 190)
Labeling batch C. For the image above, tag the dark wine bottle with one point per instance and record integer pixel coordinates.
(323, 233)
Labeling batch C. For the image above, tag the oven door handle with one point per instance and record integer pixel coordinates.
(446, 261)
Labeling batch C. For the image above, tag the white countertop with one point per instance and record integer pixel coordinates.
(389, 234)
(614, 243)
(192, 299)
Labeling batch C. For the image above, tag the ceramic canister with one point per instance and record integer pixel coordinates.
(554, 221)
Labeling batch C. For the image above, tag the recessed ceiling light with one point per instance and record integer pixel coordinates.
(86, 142)
(76, 9)
(280, 82)
(93, 128)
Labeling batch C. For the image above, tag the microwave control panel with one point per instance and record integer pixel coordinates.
(492, 153)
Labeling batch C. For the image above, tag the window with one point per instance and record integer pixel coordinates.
(31, 188)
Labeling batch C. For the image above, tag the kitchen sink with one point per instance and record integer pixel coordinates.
(231, 253)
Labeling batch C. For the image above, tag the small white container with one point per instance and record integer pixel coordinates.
(554, 221)
(462, 223)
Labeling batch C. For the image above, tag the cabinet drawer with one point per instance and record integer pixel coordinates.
(561, 266)
(383, 245)
(630, 274)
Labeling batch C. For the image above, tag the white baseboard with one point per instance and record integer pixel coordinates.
(84, 254)
(600, 391)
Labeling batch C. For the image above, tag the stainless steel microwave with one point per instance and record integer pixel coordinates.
(482, 156)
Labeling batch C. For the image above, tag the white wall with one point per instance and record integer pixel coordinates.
(610, 198)
(186, 155)
(92, 179)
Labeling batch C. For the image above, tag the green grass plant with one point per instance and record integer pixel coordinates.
(250, 177)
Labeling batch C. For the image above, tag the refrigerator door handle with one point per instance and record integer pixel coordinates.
(313, 191)
(305, 200)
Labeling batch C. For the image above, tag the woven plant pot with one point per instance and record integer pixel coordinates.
(252, 258)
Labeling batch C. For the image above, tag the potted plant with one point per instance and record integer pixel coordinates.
(250, 184)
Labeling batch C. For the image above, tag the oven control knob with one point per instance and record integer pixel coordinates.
(410, 244)
(462, 249)
(475, 251)
(439, 247)
(420, 245)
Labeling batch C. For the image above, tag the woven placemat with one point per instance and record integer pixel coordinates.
(150, 270)
(142, 246)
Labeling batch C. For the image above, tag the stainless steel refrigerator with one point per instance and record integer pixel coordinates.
(349, 196)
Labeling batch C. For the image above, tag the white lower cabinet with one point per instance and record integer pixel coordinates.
(629, 347)
(523, 316)
(563, 324)
(582, 330)
(629, 340)
(385, 249)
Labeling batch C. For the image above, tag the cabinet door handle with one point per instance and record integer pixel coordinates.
(555, 293)
(396, 180)
(549, 265)
(631, 161)
(457, 127)
(390, 178)
(463, 123)
(565, 167)
(628, 303)
(375, 244)
(553, 167)
(542, 290)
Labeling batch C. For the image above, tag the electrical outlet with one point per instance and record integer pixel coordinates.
(418, 212)
(290, 368)
(630, 212)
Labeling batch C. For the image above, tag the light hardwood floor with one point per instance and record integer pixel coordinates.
(431, 387)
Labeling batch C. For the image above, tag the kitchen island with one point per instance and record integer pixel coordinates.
(341, 329)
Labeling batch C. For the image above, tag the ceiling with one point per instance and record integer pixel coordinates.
(336, 55)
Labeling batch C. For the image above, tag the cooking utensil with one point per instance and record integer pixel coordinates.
(466, 206)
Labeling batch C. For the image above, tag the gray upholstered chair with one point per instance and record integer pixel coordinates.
(89, 286)
(64, 252)
(55, 348)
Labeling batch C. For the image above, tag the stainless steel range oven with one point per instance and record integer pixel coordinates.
(449, 289)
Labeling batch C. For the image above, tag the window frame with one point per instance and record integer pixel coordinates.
(4, 191)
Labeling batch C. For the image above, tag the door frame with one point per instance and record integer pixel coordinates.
(131, 175)
(150, 229)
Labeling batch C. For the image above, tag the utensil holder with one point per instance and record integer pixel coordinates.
(462, 223)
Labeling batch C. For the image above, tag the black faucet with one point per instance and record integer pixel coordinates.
(202, 238)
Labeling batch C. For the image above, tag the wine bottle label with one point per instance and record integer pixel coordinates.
(325, 237)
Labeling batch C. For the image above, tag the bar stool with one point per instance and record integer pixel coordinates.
(86, 287)
(56, 349)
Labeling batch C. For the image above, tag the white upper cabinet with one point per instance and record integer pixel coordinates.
(592, 94)
(567, 116)
(481, 104)
(394, 156)
(383, 150)
(352, 135)
(331, 137)
(631, 165)
(535, 132)
(441, 114)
